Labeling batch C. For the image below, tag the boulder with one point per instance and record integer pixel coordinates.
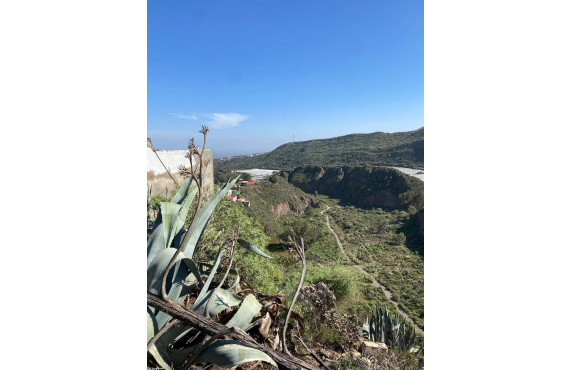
(373, 348)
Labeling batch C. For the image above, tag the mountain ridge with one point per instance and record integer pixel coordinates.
(403, 149)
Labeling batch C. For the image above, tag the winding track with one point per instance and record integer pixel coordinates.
(376, 283)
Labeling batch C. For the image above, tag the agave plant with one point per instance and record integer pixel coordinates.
(394, 331)
(170, 342)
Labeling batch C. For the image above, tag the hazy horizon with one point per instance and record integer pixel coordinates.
(218, 155)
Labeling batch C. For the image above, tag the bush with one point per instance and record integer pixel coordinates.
(273, 179)
(324, 324)
(301, 228)
(343, 281)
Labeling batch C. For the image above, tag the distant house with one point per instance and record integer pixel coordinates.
(236, 199)
(244, 182)
(232, 192)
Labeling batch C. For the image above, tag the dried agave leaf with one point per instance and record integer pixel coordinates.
(264, 327)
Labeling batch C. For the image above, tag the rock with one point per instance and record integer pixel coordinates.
(373, 348)
(355, 354)
(364, 363)
(329, 354)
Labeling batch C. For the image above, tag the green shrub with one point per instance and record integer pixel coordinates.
(343, 281)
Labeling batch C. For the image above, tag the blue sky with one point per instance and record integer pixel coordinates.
(265, 72)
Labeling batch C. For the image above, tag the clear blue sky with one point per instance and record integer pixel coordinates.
(262, 72)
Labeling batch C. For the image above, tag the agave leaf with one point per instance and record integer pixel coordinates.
(158, 241)
(203, 217)
(163, 344)
(230, 353)
(186, 204)
(252, 248)
(179, 356)
(248, 309)
(252, 325)
(178, 227)
(190, 280)
(236, 281)
(157, 268)
(222, 300)
(191, 266)
(159, 356)
(180, 194)
(203, 292)
(170, 212)
(366, 329)
(155, 243)
(174, 285)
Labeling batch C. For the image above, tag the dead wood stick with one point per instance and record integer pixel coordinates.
(212, 328)
(300, 250)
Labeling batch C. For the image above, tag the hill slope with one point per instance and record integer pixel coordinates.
(402, 149)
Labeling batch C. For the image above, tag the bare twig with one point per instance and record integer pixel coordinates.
(199, 181)
(165, 167)
(301, 253)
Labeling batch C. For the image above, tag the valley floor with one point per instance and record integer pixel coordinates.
(376, 283)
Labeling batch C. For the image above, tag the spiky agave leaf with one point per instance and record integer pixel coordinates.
(159, 355)
(159, 265)
(163, 233)
(236, 282)
(251, 247)
(366, 329)
(182, 191)
(174, 285)
(205, 288)
(170, 212)
(203, 217)
(170, 222)
(185, 206)
(231, 353)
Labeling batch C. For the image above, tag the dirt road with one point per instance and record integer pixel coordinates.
(376, 283)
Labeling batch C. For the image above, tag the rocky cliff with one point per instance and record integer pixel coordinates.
(366, 186)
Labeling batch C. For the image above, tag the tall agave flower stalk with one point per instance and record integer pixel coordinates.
(172, 270)
(394, 331)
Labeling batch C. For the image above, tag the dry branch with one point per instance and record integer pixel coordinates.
(301, 253)
(211, 327)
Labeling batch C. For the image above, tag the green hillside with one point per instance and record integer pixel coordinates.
(402, 149)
